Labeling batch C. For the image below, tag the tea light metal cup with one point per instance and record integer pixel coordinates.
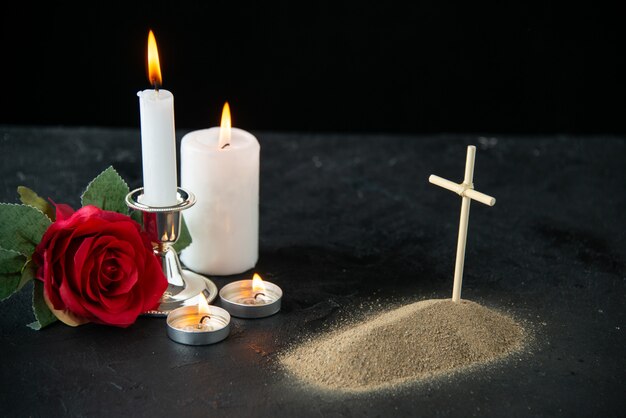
(192, 326)
(251, 298)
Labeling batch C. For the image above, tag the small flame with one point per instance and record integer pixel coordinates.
(154, 67)
(257, 284)
(225, 127)
(203, 305)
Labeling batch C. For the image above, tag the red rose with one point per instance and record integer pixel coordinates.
(98, 266)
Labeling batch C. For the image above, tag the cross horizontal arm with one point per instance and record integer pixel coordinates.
(446, 184)
(479, 197)
(462, 190)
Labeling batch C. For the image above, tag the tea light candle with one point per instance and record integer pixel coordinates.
(158, 138)
(221, 167)
(251, 298)
(198, 325)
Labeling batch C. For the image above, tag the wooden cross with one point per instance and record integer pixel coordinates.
(467, 192)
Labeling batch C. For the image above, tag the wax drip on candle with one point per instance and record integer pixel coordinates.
(225, 127)
(154, 66)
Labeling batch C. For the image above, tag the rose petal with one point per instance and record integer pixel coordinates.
(128, 273)
(66, 316)
(112, 217)
(125, 232)
(73, 302)
(124, 256)
(110, 270)
(82, 261)
(63, 211)
(116, 304)
(49, 287)
(123, 318)
(90, 283)
(153, 283)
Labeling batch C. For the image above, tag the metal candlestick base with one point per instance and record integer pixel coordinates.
(163, 226)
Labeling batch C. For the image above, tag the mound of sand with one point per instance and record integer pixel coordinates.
(417, 341)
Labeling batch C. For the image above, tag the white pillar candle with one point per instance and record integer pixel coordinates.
(224, 223)
(158, 137)
(158, 147)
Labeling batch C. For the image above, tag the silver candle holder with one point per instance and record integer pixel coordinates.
(163, 227)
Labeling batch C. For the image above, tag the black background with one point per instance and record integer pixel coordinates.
(412, 67)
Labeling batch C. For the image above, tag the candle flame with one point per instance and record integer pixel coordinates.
(225, 127)
(257, 284)
(203, 305)
(154, 67)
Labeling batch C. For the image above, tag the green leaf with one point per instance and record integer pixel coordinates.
(8, 285)
(184, 238)
(107, 191)
(43, 315)
(137, 216)
(30, 198)
(21, 227)
(11, 263)
(29, 272)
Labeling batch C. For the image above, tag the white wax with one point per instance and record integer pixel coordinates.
(158, 147)
(224, 223)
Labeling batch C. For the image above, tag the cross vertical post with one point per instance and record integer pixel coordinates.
(467, 193)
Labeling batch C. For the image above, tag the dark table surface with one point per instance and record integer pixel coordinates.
(347, 222)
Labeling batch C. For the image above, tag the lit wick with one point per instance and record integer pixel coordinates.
(258, 288)
(201, 323)
(203, 309)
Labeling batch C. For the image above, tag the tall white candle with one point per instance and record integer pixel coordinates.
(158, 137)
(224, 223)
